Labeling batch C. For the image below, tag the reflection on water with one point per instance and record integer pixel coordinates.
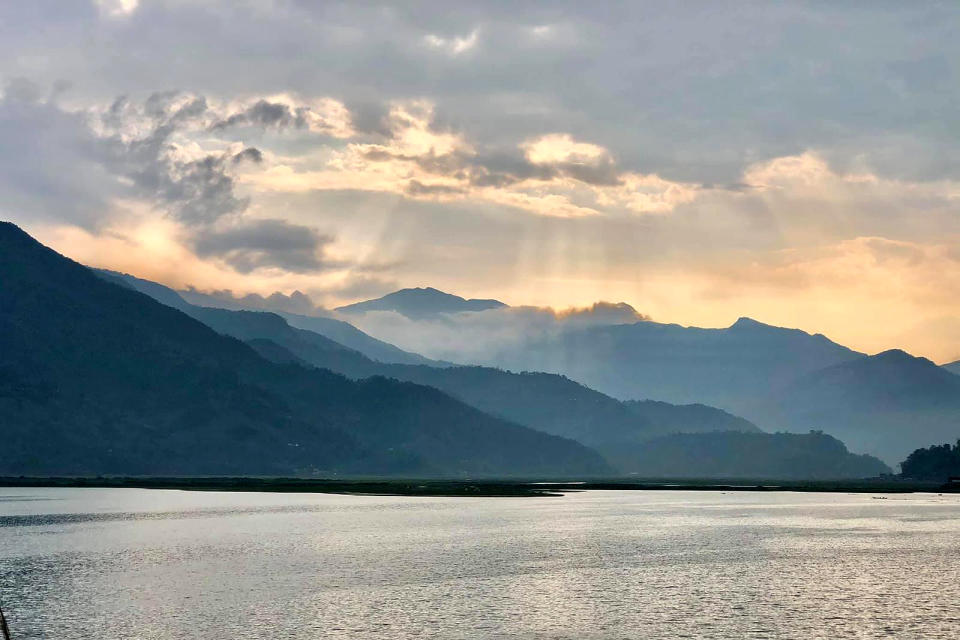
(129, 563)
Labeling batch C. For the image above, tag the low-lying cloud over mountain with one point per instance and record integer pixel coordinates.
(477, 336)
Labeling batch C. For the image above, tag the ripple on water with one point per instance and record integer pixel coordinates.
(154, 564)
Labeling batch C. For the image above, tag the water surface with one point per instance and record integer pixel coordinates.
(131, 563)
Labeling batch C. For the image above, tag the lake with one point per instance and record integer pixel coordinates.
(131, 563)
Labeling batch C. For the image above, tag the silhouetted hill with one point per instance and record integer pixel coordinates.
(547, 402)
(728, 368)
(270, 350)
(98, 378)
(892, 380)
(349, 336)
(953, 367)
(882, 404)
(785, 456)
(938, 463)
(689, 418)
(420, 303)
(785, 379)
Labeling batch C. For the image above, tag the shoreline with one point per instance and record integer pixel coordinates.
(479, 487)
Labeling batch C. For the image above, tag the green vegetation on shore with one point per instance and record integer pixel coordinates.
(935, 463)
(467, 488)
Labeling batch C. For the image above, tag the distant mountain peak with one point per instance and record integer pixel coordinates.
(421, 302)
(897, 355)
(895, 358)
(749, 324)
(887, 379)
(901, 360)
(746, 323)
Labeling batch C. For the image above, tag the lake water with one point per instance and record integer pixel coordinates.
(129, 563)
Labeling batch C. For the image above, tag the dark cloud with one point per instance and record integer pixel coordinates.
(250, 153)
(417, 188)
(196, 191)
(53, 162)
(62, 170)
(168, 107)
(266, 114)
(258, 244)
(499, 169)
(602, 173)
(370, 118)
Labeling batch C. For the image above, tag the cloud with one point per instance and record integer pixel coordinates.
(117, 8)
(324, 115)
(198, 191)
(266, 114)
(86, 167)
(551, 176)
(52, 166)
(693, 100)
(601, 313)
(560, 148)
(454, 46)
(264, 244)
(295, 302)
(250, 153)
(478, 337)
(353, 286)
(416, 188)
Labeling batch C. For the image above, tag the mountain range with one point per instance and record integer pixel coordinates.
(623, 432)
(720, 367)
(98, 378)
(779, 378)
(547, 402)
(342, 332)
(887, 404)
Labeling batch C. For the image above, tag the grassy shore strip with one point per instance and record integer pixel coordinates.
(479, 487)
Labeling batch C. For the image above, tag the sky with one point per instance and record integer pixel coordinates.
(797, 163)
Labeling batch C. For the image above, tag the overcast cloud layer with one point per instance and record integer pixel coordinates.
(795, 162)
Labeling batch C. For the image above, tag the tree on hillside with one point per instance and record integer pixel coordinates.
(937, 462)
